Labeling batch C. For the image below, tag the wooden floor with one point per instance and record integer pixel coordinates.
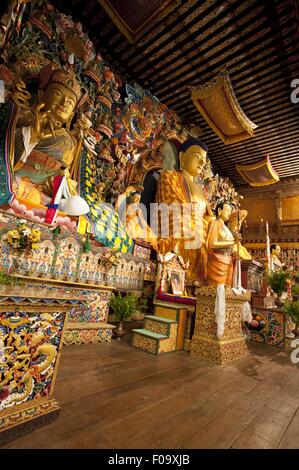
(114, 396)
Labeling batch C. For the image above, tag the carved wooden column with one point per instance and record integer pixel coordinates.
(205, 342)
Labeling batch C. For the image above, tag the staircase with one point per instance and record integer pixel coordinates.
(159, 335)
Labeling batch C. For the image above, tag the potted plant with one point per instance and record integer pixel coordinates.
(8, 279)
(123, 308)
(292, 309)
(295, 292)
(141, 309)
(277, 282)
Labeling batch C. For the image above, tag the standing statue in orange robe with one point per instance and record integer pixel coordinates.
(221, 244)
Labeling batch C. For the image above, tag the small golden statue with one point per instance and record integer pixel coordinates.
(130, 212)
(44, 144)
(221, 244)
(275, 261)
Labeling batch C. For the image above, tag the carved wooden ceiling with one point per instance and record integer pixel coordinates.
(256, 40)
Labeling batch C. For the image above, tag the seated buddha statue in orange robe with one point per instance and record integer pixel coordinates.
(182, 219)
(221, 244)
(44, 145)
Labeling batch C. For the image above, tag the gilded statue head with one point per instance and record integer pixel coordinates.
(61, 96)
(135, 197)
(193, 156)
(223, 211)
(275, 249)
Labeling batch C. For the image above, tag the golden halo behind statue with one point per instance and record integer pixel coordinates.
(242, 215)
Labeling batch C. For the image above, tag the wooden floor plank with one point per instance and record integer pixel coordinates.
(159, 414)
(264, 432)
(290, 440)
(224, 430)
(114, 396)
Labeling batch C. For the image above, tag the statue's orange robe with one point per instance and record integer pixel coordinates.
(172, 188)
(220, 266)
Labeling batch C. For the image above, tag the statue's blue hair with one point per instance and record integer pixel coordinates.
(193, 141)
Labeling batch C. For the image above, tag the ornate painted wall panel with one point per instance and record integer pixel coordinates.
(32, 323)
(277, 326)
(30, 344)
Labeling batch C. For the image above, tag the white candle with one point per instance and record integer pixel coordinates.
(268, 246)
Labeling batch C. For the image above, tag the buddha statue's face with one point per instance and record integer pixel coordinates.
(225, 212)
(277, 250)
(60, 101)
(136, 198)
(193, 160)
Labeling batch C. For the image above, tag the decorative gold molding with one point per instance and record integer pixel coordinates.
(263, 245)
(22, 413)
(60, 281)
(263, 164)
(229, 122)
(211, 291)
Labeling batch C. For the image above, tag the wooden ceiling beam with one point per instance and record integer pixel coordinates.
(196, 52)
(205, 19)
(164, 28)
(173, 87)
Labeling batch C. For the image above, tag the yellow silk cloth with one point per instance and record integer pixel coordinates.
(84, 226)
(172, 188)
(244, 253)
(220, 265)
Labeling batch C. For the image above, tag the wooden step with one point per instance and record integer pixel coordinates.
(158, 325)
(160, 319)
(155, 343)
(151, 334)
(146, 340)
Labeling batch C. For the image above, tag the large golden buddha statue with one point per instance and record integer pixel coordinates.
(44, 145)
(185, 222)
(221, 244)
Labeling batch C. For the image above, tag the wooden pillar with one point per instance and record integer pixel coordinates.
(205, 342)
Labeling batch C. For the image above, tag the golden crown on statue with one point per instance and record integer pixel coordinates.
(69, 81)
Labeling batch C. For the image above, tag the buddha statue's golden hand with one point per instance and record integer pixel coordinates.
(48, 187)
(43, 127)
